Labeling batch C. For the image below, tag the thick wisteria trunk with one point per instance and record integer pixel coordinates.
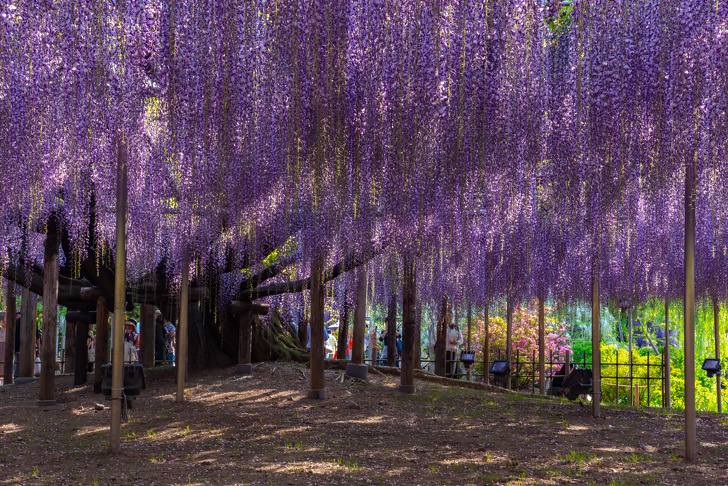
(49, 348)
(409, 328)
(392, 331)
(102, 341)
(318, 291)
(441, 339)
(343, 341)
(9, 361)
(146, 335)
(689, 303)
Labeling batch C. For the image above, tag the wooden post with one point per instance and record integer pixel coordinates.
(9, 334)
(689, 303)
(441, 339)
(117, 363)
(146, 335)
(182, 337)
(470, 336)
(407, 377)
(357, 368)
(70, 349)
(509, 336)
(102, 341)
(486, 346)
(716, 315)
(317, 388)
(418, 337)
(49, 351)
(26, 359)
(80, 371)
(541, 346)
(302, 332)
(342, 345)
(636, 398)
(391, 342)
(629, 350)
(596, 350)
(666, 378)
(245, 342)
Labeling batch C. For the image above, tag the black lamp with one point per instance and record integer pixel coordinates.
(712, 366)
(467, 358)
(500, 369)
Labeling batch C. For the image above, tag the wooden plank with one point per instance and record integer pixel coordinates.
(9, 334)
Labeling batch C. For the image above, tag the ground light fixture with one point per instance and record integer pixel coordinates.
(712, 366)
(500, 369)
(467, 357)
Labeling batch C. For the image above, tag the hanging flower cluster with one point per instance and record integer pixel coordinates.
(513, 147)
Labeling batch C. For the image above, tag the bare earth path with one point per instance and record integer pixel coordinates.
(262, 430)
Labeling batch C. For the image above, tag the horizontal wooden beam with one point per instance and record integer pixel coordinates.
(243, 306)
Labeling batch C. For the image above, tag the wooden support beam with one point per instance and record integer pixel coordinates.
(716, 329)
(27, 334)
(342, 343)
(101, 341)
(392, 330)
(117, 364)
(317, 388)
(146, 335)
(9, 334)
(357, 368)
(689, 303)
(486, 344)
(441, 339)
(49, 351)
(541, 347)
(70, 349)
(509, 337)
(85, 317)
(407, 377)
(182, 335)
(470, 336)
(596, 350)
(245, 342)
(90, 293)
(418, 336)
(666, 399)
(239, 306)
(80, 374)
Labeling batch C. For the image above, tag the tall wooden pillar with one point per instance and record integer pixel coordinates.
(49, 351)
(716, 328)
(245, 341)
(666, 400)
(689, 303)
(80, 362)
(441, 339)
(596, 350)
(317, 388)
(70, 351)
(117, 371)
(486, 345)
(509, 337)
(146, 335)
(9, 334)
(357, 368)
(26, 359)
(541, 346)
(392, 330)
(183, 334)
(102, 341)
(342, 344)
(470, 335)
(407, 377)
(418, 337)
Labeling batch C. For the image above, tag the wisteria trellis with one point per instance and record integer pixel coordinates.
(509, 153)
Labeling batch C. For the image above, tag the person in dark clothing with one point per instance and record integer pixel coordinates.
(159, 340)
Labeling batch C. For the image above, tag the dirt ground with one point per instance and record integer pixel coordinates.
(261, 429)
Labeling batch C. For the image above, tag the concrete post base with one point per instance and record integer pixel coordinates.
(409, 389)
(360, 371)
(244, 369)
(319, 394)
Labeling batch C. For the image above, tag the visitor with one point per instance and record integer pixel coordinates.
(308, 335)
(454, 340)
(397, 343)
(91, 346)
(159, 344)
(170, 341)
(131, 338)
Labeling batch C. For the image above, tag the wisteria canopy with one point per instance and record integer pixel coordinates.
(511, 147)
